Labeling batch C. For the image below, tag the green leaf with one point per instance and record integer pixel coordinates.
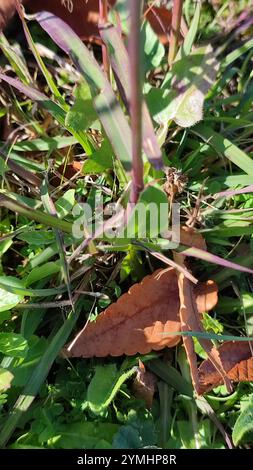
(104, 386)
(153, 49)
(152, 200)
(191, 35)
(136, 435)
(4, 316)
(244, 425)
(224, 146)
(15, 56)
(105, 102)
(82, 114)
(100, 161)
(65, 203)
(41, 272)
(37, 237)
(86, 435)
(9, 300)
(12, 344)
(22, 368)
(190, 437)
(193, 76)
(47, 144)
(6, 378)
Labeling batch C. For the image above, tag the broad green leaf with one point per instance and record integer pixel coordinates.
(141, 224)
(6, 378)
(191, 438)
(41, 272)
(9, 300)
(153, 49)
(82, 114)
(135, 435)
(183, 102)
(4, 316)
(104, 386)
(244, 425)
(12, 344)
(86, 435)
(37, 237)
(23, 367)
(100, 161)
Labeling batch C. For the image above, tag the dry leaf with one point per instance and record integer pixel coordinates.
(83, 16)
(190, 319)
(138, 321)
(144, 385)
(192, 238)
(237, 360)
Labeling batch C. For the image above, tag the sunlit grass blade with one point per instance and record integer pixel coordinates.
(211, 258)
(48, 76)
(224, 146)
(17, 62)
(33, 214)
(211, 336)
(191, 35)
(53, 108)
(38, 377)
(107, 106)
(50, 208)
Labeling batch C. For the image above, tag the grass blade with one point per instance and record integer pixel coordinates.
(106, 104)
(224, 146)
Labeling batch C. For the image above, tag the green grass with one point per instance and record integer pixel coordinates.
(50, 283)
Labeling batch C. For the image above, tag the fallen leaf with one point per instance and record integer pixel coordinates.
(138, 321)
(160, 20)
(83, 16)
(144, 385)
(190, 318)
(192, 238)
(66, 171)
(237, 361)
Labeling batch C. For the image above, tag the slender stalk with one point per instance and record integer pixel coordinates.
(175, 29)
(136, 98)
(34, 214)
(103, 18)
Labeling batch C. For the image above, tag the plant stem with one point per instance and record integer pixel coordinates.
(103, 18)
(175, 29)
(136, 98)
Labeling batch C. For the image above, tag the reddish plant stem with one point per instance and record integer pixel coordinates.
(103, 18)
(136, 98)
(175, 29)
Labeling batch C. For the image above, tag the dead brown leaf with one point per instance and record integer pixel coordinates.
(138, 321)
(83, 16)
(237, 361)
(189, 315)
